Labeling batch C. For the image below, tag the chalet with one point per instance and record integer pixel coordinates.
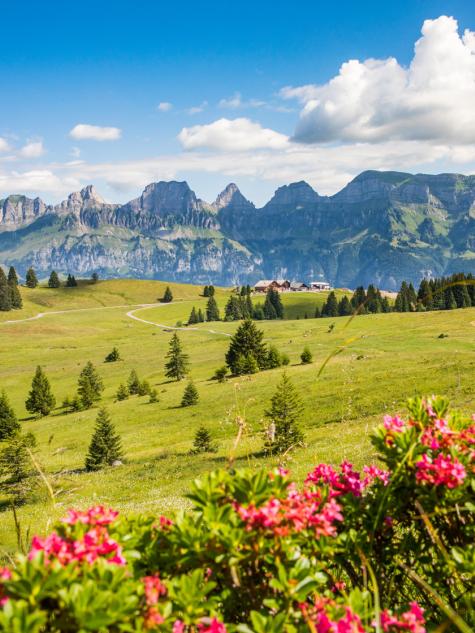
(320, 285)
(264, 285)
(298, 286)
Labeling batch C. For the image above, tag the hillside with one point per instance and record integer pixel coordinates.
(382, 228)
(384, 359)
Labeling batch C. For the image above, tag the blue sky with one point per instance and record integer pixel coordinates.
(223, 69)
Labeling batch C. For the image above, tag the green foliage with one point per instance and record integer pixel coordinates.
(220, 374)
(71, 281)
(105, 447)
(273, 308)
(246, 347)
(202, 442)
(330, 307)
(153, 397)
(90, 386)
(167, 296)
(15, 295)
(94, 278)
(274, 358)
(15, 466)
(212, 311)
(31, 278)
(113, 356)
(122, 392)
(193, 318)
(177, 365)
(306, 356)
(9, 424)
(41, 400)
(133, 383)
(5, 294)
(190, 395)
(53, 281)
(201, 316)
(284, 413)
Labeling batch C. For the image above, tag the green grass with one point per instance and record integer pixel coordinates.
(386, 358)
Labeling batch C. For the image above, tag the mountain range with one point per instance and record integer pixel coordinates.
(382, 228)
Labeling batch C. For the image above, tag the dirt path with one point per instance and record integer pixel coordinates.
(131, 315)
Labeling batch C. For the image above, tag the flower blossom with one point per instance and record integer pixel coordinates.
(442, 471)
(412, 620)
(97, 515)
(5, 574)
(348, 481)
(213, 626)
(373, 473)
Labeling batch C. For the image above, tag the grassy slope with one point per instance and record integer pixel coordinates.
(390, 357)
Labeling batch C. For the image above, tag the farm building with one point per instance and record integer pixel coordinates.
(298, 286)
(281, 285)
(320, 285)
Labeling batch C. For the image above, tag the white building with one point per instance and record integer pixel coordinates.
(319, 286)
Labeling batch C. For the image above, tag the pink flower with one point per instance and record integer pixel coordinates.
(213, 626)
(5, 574)
(373, 473)
(178, 627)
(394, 424)
(97, 515)
(153, 618)
(442, 471)
(412, 620)
(348, 481)
(153, 588)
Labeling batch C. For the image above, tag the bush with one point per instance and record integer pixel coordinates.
(113, 356)
(190, 395)
(202, 442)
(387, 549)
(220, 374)
(153, 397)
(306, 356)
(122, 392)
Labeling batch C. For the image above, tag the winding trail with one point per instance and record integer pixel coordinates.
(131, 314)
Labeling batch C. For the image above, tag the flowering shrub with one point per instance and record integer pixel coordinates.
(389, 549)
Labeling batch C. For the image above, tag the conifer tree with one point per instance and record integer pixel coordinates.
(246, 341)
(385, 306)
(71, 281)
(318, 312)
(201, 316)
(105, 447)
(133, 383)
(15, 466)
(358, 300)
(220, 374)
(211, 291)
(206, 291)
(450, 303)
(40, 399)
(306, 356)
(15, 296)
(424, 294)
(31, 279)
(53, 281)
(202, 441)
(193, 318)
(233, 309)
(212, 311)
(269, 308)
(153, 396)
(113, 356)
(122, 392)
(190, 395)
(273, 298)
(330, 308)
(344, 306)
(284, 414)
(167, 295)
(373, 303)
(12, 276)
(94, 278)
(177, 364)
(273, 358)
(9, 424)
(90, 386)
(5, 294)
(258, 312)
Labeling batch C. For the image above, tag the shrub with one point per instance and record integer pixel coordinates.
(113, 356)
(202, 442)
(190, 395)
(274, 358)
(220, 374)
(122, 392)
(388, 549)
(153, 396)
(306, 356)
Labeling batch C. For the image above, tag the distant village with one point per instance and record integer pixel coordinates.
(284, 285)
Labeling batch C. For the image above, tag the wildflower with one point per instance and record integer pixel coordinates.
(373, 473)
(178, 627)
(5, 574)
(97, 515)
(412, 620)
(213, 626)
(394, 424)
(442, 471)
(153, 588)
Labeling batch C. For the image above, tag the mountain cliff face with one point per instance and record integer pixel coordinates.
(381, 228)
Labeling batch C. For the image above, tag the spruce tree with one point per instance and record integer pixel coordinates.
(246, 341)
(5, 294)
(12, 276)
(122, 392)
(153, 396)
(113, 356)
(373, 303)
(385, 306)
(211, 291)
(220, 374)
(344, 307)
(273, 358)
(9, 424)
(31, 279)
(190, 395)
(212, 311)
(105, 447)
(269, 308)
(318, 312)
(177, 364)
(358, 300)
(53, 281)
(71, 281)
(15, 466)
(202, 442)
(90, 386)
(277, 303)
(206, 291)
(450, 303)
(167, 295)
(94, 278)
(201, 316)
(284, 414)
(40, 399)
(330, 308)
(424, 294)
(133, 383)
(306, 356)
(193, 318)
(15, 296)
(233, 309)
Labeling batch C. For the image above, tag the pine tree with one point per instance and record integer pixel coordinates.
(105, 447)
(385, 306)
(220, 374)
(12, 276)
(90, 386)
(318, 312)
(31, 279)
(122, 392)
(424, 294)
(306, 356)
(133, 383)
(9, 424)
(144, 388)
(201, 316)
(153, 396)
(330, 308)
(5, 294)
(177, 364)
(273, 358)
(40, 399)
(258, 313)
(373, 303)
(193, 318)
(71, 281)
(212, 311)
(284, 413)
(211, 291)
(15, 466)
(246, 341)
(358, 300)
(167, 295)
(113, 356)
(233, 309)
(450, 303)
(94, 278)
(190, 395)
(202, 442)
(206, 291)
(344, 306)
(53, 281)
(269, 308)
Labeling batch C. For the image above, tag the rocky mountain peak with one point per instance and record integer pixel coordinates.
(297, 194)
(90, 193)
(166, 197)
(231, 197)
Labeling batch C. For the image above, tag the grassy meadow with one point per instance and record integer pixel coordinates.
(382, 360)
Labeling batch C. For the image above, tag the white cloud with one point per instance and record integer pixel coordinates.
(235, 102)
(4, 145)
(197, 109)
(231, 135)
(83, 131)
(32, 149)
(164, 106)
(377, 100)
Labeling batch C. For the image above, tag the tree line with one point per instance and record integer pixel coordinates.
(10, 296)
